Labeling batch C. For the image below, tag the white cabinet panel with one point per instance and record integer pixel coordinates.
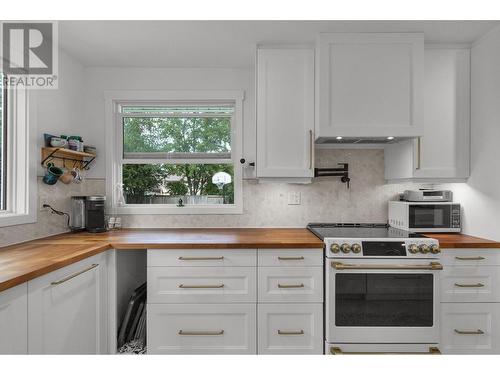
(470, 284)
(290, 284)
(202, 258)
(202, 284)
(290, 329)
(67, 309)
(370, 84)
(470, 257)
(285, 112)
(201, 329)
(470, 328)
(290, 257)
(14, 320)
(442, 152)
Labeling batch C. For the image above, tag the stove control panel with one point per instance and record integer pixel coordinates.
(382, 248)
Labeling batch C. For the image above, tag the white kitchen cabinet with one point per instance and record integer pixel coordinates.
(201, 329)
(442, 152)
(369, 84)
(285, 112)
(14, 320)
(67, 309)
(470, 328)
(290, 330)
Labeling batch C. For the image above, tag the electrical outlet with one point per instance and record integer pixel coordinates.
(40, 206)
(294, 198)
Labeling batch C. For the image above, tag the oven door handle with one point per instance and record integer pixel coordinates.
(432, 266)
(337, 351)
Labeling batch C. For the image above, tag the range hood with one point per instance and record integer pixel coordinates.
(358, 140)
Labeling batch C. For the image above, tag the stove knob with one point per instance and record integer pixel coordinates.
(334, 248)
(435, 249)
(424, 249)
(356, 248)
(413, 249)
(345, 248)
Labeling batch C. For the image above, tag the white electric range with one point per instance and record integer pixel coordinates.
(381, 289)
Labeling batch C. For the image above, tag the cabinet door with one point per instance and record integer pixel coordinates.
(470, 328)
(67, 309)
(290, 328)
(14, 320)
(370, 84)
(443, 150)
(285, 112)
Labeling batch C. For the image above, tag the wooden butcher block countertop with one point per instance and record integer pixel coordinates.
(26, 261)
(461, 241)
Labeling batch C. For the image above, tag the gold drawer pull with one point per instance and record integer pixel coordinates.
(290, 258)
(476, 332)
(201, 333)
(280, 332)
(470, 258)
(201, 258)
(217, 286)
(291, 285)
(74, 275)
(478, 285)
(432, 350)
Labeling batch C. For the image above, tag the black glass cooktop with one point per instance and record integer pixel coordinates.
(361, 230)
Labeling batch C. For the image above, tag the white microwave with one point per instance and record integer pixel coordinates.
(425, 216)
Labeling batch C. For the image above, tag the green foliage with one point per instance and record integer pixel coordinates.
(173, 135)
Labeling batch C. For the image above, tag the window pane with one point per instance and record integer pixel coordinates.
(169, 183)
(177, 137)
(3, 145)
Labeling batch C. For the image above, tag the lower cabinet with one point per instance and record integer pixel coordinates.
(470, 328)
(290, 329)
(67, 309)
(14, 320)
(201, 329)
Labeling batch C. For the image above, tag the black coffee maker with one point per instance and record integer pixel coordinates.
(94, 214)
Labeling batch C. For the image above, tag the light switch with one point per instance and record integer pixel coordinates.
(294, 198)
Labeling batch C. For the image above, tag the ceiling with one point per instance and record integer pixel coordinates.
(225, 43)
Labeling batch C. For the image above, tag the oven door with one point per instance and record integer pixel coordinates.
(382, 301)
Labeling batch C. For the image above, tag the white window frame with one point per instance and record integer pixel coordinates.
(114, 156)
(21, 168)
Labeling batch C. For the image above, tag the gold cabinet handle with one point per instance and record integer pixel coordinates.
(290, 258)
(217, 286)
(284, 286)
(476, 332)
(311, 147)
(470, 258)
(337, 351)
(200, 333)
(201, 258)
(419, 153)
(433, 266)
(280, 332)
(478, 285)
(74, 275)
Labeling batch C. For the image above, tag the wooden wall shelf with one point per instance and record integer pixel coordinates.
(66, 158)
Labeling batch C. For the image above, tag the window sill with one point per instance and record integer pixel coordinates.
(169, 210)
(8, 219)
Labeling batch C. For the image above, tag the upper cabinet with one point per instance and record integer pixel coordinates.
(285, 112)
(369, 85)
(443, 152)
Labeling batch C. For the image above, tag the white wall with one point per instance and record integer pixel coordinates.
(480, 196)
(98, 80)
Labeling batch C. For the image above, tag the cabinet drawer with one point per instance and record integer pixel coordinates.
(202, 258)
(290, 284)
(470, 284)
(290, 257)
(470, 328)
(290, 328)
(471, 257)
(202, 284)
(201, 329)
